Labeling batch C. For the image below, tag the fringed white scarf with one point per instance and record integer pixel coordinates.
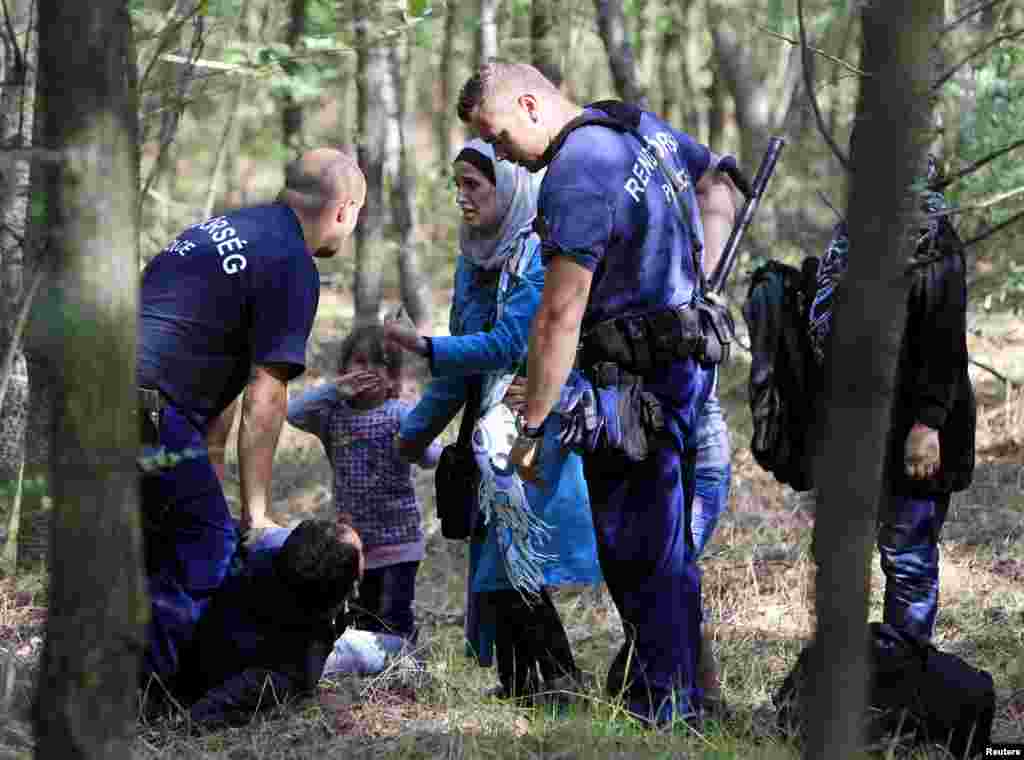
(502, 496)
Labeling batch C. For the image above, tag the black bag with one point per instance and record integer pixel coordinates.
(928, 696)
(783, 375)
(457, 475)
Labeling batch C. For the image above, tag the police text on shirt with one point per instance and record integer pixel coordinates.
(646, 164)
(226, 240)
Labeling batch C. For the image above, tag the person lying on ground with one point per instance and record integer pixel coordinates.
(269, 629)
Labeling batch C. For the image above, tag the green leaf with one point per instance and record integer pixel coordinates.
(776, 15)
(418, 8)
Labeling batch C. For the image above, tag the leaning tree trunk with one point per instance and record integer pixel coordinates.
(372, 81)
(741, 73)
(639, 24)
(180, 79)
(443, 114)
(291, 114)
(612, 25)
(544, 43)
(894, 121)
(672, 72)
(85, 703)
(414, 285)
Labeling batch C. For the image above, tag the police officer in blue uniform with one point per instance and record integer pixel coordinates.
(225, 312)
(622, 241)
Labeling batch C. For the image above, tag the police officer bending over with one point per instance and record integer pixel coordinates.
(226, 309)
(622, 242)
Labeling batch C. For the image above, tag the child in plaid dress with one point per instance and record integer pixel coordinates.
(356, 418)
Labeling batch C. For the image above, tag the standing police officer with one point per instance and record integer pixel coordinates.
(621, 260)
(226, 309)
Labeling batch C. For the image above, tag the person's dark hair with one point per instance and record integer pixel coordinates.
(472, 93)
(484, 164)
(318, 565)
(371, 338)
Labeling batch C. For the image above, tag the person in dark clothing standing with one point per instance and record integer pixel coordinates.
(931, 440)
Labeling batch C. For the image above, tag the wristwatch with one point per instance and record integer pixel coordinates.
(525, 431)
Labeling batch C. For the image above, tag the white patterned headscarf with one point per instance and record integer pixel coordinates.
(517, 191)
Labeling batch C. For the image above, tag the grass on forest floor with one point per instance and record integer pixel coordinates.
(756, 580)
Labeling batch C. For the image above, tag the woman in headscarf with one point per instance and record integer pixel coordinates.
(498, 281)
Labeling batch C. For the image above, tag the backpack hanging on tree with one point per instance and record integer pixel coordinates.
(783, 376)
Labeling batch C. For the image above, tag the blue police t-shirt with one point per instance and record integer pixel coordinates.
(234, 291)
(605, 204)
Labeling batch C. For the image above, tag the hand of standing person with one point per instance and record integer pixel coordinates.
(921, 453)
(405, 338)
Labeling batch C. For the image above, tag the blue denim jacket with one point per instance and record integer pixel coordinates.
(479, 344)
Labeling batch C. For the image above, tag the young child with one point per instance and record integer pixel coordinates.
(356, 418)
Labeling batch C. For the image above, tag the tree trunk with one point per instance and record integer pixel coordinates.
(612, 25)
(672, 72)
(738, 67)
(414, 285)
(443, 115)
(372, 81)
(716, 109)
(639, 36)
(487, 32)
(894, 120)
(85, 703)
(171, 108)
(9, 558)
(17, 111)
(16, 118)
(291, 114)
(544, 43)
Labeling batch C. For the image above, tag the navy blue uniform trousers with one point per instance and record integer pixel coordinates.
(640, 517)
(190, 539)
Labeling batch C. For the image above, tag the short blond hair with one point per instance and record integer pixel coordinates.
(497, 79)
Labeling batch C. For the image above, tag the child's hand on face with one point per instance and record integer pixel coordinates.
(352, 384)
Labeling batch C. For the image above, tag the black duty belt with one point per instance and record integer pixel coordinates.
(639, 343)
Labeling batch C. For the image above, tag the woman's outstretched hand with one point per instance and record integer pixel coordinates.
(405, 338)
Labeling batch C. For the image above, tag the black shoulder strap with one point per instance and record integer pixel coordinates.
(623, 117)
(470, 412)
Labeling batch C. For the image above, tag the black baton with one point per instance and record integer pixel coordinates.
(756, 192)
